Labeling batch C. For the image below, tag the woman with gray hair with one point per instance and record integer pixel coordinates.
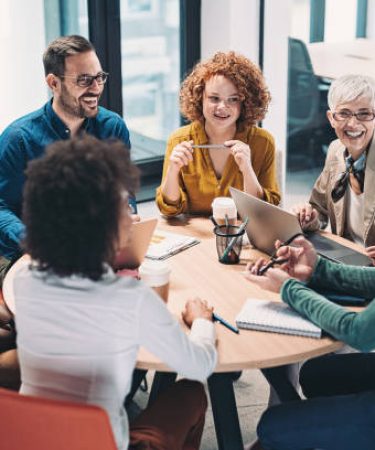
(343, 194)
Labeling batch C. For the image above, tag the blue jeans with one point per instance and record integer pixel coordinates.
(341, 414)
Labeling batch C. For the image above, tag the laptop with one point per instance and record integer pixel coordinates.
(132, 255)
(267, 223)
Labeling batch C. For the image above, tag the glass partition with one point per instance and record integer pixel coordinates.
(323, 45)
(150, 48)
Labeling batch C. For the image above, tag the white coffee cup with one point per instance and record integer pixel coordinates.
(224, 206)
(156, 275)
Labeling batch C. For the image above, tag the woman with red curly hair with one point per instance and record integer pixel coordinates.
(223, 98)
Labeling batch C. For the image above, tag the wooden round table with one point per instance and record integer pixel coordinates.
(197, 272)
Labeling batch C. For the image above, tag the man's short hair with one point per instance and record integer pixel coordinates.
(73, 200)
(62, 47)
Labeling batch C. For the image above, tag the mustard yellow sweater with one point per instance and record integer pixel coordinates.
(199, 184)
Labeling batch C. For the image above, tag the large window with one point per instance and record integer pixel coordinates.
(147, 46)
(64, 17)
(150, 58)
(323, 45)
(340, 27)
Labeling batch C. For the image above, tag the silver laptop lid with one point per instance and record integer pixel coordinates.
(267, 222)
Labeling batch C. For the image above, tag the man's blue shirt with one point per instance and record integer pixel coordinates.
(26, 139)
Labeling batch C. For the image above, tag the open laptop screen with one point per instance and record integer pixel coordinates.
(267, 223)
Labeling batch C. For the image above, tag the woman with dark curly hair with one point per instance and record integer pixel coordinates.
(80, 325)
(223, 98)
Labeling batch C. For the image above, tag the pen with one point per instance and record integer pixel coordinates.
(230, 327)
(287, 242)
(271, 263)
(214, 221)
(214, 146)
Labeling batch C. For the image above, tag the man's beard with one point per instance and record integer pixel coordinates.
(75, 110)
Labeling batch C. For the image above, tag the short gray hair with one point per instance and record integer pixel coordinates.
(350, 87)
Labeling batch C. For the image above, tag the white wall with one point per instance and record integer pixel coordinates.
(230, 25)
(370, 30)
(275, 69)
(21, 47)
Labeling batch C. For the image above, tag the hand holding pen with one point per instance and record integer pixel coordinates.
(181, 155)
(271, 263)
(299, 259)
(198, 308)
(299, 264)
(261, 267)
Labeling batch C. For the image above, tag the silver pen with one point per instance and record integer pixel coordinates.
(215, 146)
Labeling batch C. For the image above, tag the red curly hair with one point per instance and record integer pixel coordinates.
(244, 74)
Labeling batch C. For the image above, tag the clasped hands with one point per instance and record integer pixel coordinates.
(182, 154)
(297, 261)
(196, 308)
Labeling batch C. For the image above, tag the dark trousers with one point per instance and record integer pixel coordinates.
(9, 366)
(5, 265)
(174, 421)
(339, 413)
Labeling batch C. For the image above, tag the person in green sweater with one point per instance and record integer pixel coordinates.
(339, 412)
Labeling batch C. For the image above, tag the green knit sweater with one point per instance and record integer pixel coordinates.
(356, 329)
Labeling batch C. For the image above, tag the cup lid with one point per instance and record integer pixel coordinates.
(223, 201)
(222, 206)
(151, 267)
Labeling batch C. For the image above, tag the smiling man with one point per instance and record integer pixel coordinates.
(76, 78)
(344, 192)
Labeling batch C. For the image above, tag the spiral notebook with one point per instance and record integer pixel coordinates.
(277, 317)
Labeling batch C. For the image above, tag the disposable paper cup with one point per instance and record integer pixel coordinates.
(222, 206)
(156, 275)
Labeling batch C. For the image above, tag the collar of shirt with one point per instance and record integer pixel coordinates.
(50, 277)
(59, 126)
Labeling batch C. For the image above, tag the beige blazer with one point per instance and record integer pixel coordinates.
(335, 213)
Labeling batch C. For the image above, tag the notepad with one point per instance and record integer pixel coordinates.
(277, 317)
(165, 244)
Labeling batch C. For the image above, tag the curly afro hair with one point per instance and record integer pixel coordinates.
(244, 74)
(73, 200)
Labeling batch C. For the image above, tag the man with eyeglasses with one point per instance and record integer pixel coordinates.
(344, 195)
(76, 78)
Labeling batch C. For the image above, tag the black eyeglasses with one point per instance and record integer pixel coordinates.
(362, 116)
(87, 80)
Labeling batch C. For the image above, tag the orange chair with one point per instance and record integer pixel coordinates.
(40, 424)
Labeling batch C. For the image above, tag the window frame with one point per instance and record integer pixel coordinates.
(105, 34)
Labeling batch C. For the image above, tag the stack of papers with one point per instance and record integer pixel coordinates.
(164, 244)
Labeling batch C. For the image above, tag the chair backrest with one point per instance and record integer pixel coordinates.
(303, 89)
(40, 424)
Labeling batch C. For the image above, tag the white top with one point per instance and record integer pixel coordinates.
(78, 339)
(354, 216)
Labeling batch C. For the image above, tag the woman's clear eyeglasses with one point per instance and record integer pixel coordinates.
(362, 116)
(87, 80)
(230, 101)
